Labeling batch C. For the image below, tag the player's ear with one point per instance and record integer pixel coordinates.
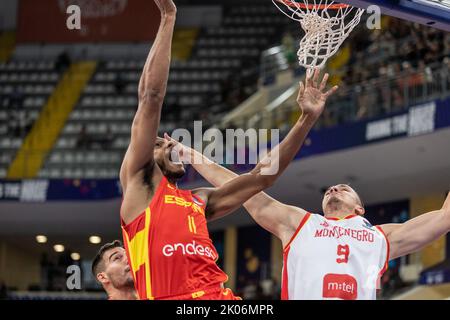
(359, 210)
(102, 278)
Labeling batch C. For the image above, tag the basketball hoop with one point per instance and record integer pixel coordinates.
(326, 24)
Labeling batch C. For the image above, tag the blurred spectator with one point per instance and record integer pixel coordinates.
(386, 92)
(225, 87)
(18, 123)
(175, 109)
(388, 70)
(260, 293)
(83, 140)
(446, 70)
(13, 125)
(16, 98)
(271, 289)
(28, 125)
(120, 83)
(59, 271)
(45, 271)
(249, 292)
(288, 44)
(63, 61)
(268, 289)
(391, 281)
(98, 141)
(107, 139)
(3, 291)
(64, 259)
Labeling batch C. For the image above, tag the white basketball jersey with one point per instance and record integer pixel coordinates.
(334, 259)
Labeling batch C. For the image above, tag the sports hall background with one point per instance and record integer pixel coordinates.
(67, 99)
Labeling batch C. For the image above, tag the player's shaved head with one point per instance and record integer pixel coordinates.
(342, 197)
(348, 187)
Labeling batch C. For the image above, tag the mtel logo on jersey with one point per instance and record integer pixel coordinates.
(188, 249)
(341, 286)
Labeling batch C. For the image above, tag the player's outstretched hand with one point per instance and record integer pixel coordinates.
(167, 7)
(312, 95)
(184, 153)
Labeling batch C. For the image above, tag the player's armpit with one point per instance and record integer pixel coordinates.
(138, 189)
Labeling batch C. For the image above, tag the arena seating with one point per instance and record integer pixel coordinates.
(24, 88)
(97, 133)
(204, 87)
(382, 71)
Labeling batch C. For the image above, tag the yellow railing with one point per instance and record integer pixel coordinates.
(7, 45)
(46, 129)
(183, 42)
(345, 105)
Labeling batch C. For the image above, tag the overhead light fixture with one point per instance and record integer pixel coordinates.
(95, 239)
(41, 238)
(58, 247)
(75, 256)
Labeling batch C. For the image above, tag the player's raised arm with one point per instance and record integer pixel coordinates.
(278, 218)
(231, 195)
(151, 92)
(411, 236)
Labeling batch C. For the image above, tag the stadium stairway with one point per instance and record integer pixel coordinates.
(46, 129)
(183, 43)
(7, 44)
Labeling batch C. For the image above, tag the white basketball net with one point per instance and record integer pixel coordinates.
(325, 27)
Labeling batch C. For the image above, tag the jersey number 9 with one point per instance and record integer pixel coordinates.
(343, 251)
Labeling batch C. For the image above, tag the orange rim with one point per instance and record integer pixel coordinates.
(314, 6)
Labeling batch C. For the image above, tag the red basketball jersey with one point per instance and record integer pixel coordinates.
(169, 249)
